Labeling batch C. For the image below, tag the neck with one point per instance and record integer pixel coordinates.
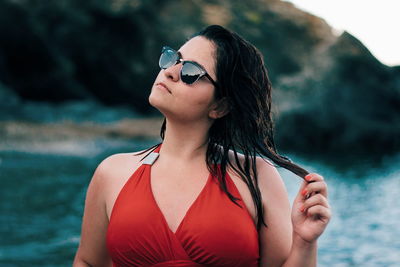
(185, 142)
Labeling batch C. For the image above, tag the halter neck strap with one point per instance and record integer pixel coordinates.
(152, 157)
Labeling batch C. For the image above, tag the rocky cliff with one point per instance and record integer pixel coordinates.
(331, 95)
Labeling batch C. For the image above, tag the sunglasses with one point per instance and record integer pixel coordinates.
(190, 72)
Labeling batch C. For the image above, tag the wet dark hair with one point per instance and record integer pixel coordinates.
(244, 85)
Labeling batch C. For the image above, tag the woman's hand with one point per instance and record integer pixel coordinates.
(311, 212)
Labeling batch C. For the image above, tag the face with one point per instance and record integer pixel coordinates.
(187, 102)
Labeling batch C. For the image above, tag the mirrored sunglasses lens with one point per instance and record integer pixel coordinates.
(167, 58)
(190, 73)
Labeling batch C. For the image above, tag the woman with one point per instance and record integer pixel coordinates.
(195, 200)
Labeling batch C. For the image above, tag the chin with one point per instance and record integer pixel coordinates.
(157, 102)
(152, 102)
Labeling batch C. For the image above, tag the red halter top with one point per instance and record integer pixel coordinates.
(214, 231)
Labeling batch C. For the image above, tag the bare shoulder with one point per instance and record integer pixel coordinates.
(272, 188)
(266, 171)
(270, 178)
(116, 164)
(114, 170)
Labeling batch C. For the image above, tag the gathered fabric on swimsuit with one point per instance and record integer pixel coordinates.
(214, 232)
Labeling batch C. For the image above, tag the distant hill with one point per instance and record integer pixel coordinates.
(331, 95)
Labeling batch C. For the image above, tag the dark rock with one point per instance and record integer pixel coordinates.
(331, 95)
(353, 108)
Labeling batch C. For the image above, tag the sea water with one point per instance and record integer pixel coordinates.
(43, 187)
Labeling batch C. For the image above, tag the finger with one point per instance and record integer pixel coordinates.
(315, 188)
(315, 200)
(319, 212)
(299, 196)
(313, 177)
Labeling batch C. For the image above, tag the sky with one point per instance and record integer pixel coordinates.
(376, 23)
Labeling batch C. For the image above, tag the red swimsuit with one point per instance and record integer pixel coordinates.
(214, 231)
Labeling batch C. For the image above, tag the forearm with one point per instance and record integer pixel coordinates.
(301, 254)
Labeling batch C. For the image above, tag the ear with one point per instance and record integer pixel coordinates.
(219, 108)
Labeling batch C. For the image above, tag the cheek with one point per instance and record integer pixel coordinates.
(196, 102)
(199, 96)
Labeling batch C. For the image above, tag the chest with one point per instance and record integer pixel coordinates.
(176, 192)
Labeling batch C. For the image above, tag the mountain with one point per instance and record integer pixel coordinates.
(331, 95)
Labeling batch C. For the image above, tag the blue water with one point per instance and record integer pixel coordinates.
(364, 227)
(43, 188)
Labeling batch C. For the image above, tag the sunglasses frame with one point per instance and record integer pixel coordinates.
(180, 60)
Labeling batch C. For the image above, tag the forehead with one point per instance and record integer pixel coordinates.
(201, 50)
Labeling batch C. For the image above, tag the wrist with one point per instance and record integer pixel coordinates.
(303, 244)
(302, 254)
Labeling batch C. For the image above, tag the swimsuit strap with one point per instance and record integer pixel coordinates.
(152, 157)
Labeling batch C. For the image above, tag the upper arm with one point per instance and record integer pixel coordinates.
(276, 238)
(92, 248)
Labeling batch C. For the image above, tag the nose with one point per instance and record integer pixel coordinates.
(173, 72)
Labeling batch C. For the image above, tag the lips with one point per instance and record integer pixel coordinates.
(163, 86)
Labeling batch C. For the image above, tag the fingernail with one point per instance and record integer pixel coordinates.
(304, 192)
(308, 177)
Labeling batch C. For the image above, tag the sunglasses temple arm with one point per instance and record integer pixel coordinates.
(211, 80)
